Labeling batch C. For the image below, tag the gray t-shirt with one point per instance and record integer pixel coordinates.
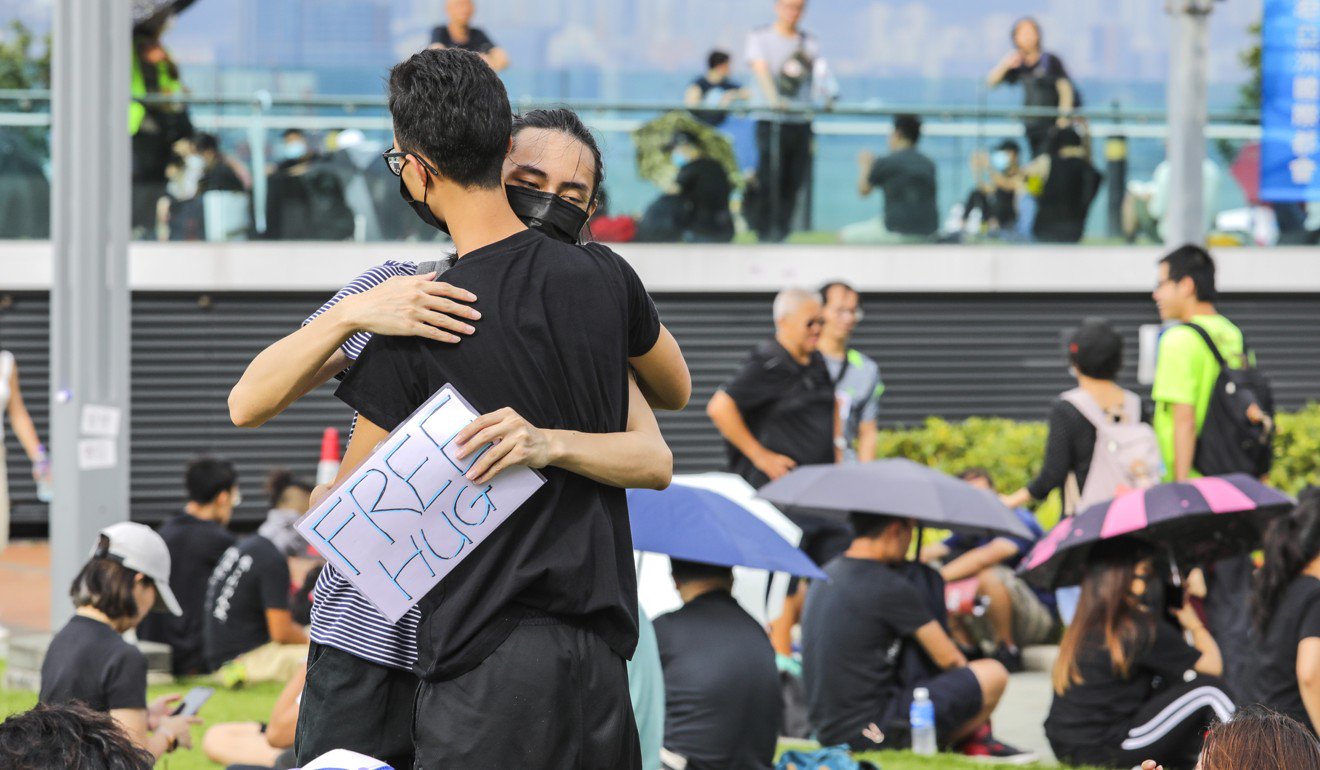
(858, 391)
(793, 79)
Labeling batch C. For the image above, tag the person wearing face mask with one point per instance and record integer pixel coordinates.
(999, 182)
(1127, 685)
(89, 661)
(293, 149)
(196, 537)
(695, 206)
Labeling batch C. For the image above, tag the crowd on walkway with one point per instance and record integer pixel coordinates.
(537, 635)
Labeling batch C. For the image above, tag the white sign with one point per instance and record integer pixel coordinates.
(97, 454)
(407, 516)
(101, 421)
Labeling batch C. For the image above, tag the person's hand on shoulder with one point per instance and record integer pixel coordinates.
(412, 306)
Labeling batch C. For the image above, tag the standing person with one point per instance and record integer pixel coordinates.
(856, 376)
(778, 412)
(528, 635)
(1044, 79)
(1067, 183)
(1127, 685)
(789, 71)
(906, 177)
(1018, 615)
(1186, 369)
(715, 90)
(722, 700)
(127, 577)
(1285, 669)
(197, 538)
(458, 32)
(855, 628)
(1095, 356)
(154, 128)
(11, 399)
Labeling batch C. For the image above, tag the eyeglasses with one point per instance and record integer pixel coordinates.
(395, 160)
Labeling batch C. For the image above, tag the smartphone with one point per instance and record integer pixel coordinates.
(193, 701)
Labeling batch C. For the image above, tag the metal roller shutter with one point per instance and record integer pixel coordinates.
(948, 355)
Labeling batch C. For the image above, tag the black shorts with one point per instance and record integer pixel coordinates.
(350, 703)
(553, 695)
(957, 698)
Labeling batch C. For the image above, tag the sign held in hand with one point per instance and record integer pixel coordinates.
(407, 516)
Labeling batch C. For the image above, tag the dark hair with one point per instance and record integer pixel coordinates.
(908, 127)
(1107, 611)
(870, 525)
(687, 571)
(451, 107)
(204, 142)
(279, 481)
(1096, 349)
(1059, 138)
(1257, 738)
(1010, 145)
(206, 477)
(977, 472)
(288, 132)
(70, 736)
(1192, 261)
(1291, 542)
(106, 584)
(1012, 32)
(716, 58)
(565, 121)
(825, 290)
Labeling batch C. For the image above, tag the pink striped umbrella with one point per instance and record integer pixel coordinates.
(1197, 521)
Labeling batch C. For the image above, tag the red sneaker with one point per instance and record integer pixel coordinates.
(983, 747)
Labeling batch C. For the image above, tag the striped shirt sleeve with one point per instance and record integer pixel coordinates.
(370, 279)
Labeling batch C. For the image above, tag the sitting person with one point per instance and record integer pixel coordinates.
(715, 90)
(1067, 185)
(861, 631)
(722, 701)
(1146, 203)
(248, 626)
(1285, 671)
(1127, 686)
(906, 177)
(259, 745)
(88, 661)
(695, 206)
(1018, 614)
(69, 736)
(999, 182)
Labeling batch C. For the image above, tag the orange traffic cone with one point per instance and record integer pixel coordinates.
(328, 468)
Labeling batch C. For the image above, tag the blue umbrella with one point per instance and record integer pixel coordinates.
(698, 525)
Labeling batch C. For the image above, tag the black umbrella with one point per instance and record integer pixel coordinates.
(148, 11)
(899, 488)
(1196, 522)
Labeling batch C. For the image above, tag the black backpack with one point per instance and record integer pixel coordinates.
(1230, 442)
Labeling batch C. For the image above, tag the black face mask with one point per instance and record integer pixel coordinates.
(420, 208)
(547, 212)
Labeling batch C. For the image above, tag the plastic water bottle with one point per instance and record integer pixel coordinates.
(922, 720)
(45, 493)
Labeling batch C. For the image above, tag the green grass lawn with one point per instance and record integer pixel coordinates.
(255, 702)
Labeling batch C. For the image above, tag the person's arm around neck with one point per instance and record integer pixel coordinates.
(974, 561)
(282, 629)
(663, 375)
(20, 419)
(723, 412)
(941, 649)
(1308, 678)
(1184, 440)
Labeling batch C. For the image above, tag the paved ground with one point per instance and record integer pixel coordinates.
(1020, 715)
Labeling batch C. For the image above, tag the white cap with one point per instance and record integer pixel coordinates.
(140, 549)
(339, 759)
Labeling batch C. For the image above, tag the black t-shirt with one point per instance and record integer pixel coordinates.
(908, 180)
(1040, 82)
(722, 701)
(478, 41)
(1066, 199)
(1273, 679)
(854, 631)
(251, 578)
(558, 324)
(711, 96)
(788, 407)
(1099, 710)
(88, 661)
(195, 549)
(704, 186)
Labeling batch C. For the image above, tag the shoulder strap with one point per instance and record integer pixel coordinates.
(1209, 343)
(1087, 406)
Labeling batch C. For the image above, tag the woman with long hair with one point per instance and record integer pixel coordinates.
(1127, 685)
(1285, 670)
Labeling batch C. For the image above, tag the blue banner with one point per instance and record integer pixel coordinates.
(1290, 101)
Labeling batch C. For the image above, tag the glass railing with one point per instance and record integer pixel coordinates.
(673, 177)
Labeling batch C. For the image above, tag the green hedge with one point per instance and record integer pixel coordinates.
(1013, 451)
